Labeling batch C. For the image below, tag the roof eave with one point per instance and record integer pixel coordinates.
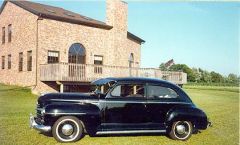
(2, 7)
(25, 8)
(76, 21)
(136, 38)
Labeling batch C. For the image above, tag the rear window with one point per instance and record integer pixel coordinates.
(157, 92)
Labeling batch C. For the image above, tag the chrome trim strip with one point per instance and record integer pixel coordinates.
(130, 131)
(81, 101)
(119, 101)
(65, 113)
(146, 102)
(39, 109)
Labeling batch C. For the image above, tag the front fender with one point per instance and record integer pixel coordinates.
(89, 114)
(190, 113)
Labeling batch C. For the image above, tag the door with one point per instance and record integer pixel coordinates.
(160, 100)
(125, 108)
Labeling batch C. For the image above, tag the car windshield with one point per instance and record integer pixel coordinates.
(102, 88)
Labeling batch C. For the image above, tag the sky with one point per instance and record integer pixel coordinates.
(199, 34)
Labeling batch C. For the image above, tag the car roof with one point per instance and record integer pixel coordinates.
(132, 79)
(163, 83)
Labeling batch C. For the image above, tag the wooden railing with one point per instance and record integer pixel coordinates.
(88, 72)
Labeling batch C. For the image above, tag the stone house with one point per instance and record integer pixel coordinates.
(51, 49)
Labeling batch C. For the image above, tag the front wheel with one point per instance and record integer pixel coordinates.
(67, 129)
(181, 130)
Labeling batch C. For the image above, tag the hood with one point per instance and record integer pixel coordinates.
(66, 96)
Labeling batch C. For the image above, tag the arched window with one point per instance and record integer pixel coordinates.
(76, 54)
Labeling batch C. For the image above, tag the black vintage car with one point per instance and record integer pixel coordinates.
(120, 106)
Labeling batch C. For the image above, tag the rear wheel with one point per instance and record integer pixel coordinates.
(67, 129)
(181, 130)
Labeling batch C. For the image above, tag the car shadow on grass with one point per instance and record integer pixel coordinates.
(49, 134)
(132, 135)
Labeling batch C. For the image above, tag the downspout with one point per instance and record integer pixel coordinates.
(36, 65)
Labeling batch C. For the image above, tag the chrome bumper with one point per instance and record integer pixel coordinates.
(209, 123)
(39, 127)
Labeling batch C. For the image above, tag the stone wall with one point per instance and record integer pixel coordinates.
(24, 27)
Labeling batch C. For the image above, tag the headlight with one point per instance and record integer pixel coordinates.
(43, 111)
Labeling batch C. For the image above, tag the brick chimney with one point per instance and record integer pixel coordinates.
(117, 13)
(117, 17)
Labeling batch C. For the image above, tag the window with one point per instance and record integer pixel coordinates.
(128, 90)
(9, 61)
(53, 57)
(3, 35)
(157, 92)
(3, 62)
(98, 60)
(9, 32)
(77, 54)
(29, 60)
(20, 65)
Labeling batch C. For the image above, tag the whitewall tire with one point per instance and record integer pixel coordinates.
(67, 129)
(181, 130)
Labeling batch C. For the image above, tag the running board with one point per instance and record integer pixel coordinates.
(130, 131)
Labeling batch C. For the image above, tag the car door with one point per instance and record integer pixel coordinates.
(160, 99)
(125, 108)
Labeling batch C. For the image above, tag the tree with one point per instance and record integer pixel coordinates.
(184, 68)
(232, 78)
(162, 67)
(200, 75)
(205, 76)
(196, 74)
(216, 77)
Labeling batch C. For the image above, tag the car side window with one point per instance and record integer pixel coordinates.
(128, 90)
(157, 92)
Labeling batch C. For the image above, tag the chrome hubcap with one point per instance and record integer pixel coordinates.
(67, 129)
(180, 129)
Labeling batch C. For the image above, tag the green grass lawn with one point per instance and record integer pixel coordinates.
(220, 104)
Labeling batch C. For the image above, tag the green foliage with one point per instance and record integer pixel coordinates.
(184, 68)
(205, 76)
(216, 77)
(199, 75)
(211, 84)
(232, 78)
(162, 67)
(220, 106)
(196, 74)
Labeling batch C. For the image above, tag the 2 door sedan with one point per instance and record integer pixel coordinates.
(120, 106)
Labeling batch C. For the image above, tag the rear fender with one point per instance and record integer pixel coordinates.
(189, 113)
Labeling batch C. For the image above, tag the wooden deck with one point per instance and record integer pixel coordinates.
(87, 72)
